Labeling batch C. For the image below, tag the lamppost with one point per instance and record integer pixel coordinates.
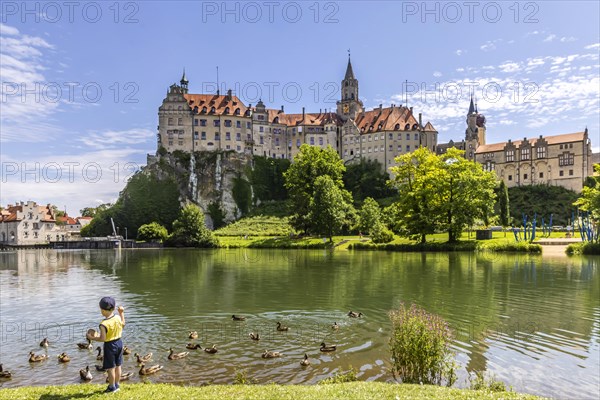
(117, 231)
(125, 233)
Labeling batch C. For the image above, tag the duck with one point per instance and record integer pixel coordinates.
(211, 350)
(238, 318)
(44, 342)
(63, 358)
(176, 356)
(143, 359)
(124, 377)
(126, 351)
(306, 361)
(271, 354)
(353, 314)
(193, 335)
(254, 336)
(282, 328)
(335, 326)
(85, 346)
(324, 347)
(193, 346)
(99, 357)
(37, 358)
(4, 374)
(85, 374)
(150, 370)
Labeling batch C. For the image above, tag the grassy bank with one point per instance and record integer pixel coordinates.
(586, 248)
(353, 390)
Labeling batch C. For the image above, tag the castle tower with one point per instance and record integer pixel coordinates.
(475, 132)
(349, 105)
(184, 82)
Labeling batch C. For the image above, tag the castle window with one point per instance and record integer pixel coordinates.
(204, 110)
(217, 122)
(180, 108)
(408, 136)
(195, 121)
(170, 143)
(180, 142)
(561, 173)
(212, 110)
(541, 152)
(566, 159)
(276, 141)
(227, 136)
(195, 135)
(238, 137)
(570, 172)
(570, 145)
(510, 155)
(524, 177)
(391, 136)
(202, 122)
(170, 122)
(237, 111)
(260, 117)
(247, 125)
(382, 148)
(261, 140)
(416, 136)
(261, 129)
(541, 174)
(510, 177)
(217, 136)
(203, 136)
(228, 123)
(320, 141)
(408, 148)
(226, 110)
(352, 96)
(391, 147)
(525, 153)
(228, 147)
(179, 121)
(297, 142)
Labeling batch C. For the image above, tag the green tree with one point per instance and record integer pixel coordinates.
(309, 164)
(189, 229)
(152, 231)
(92, 211)
(417, 212)
(267, 178)
(369, 216)
(590, 199)
(367, 179)
(242, 194)
(503, 204)
(329, 207)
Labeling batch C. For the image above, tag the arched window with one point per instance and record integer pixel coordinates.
(352, 96)
(415, 126)
(180, 108)
(212, 110)
(397, 127)
(226, 110)
(204, 110)
(237, 111)
(346, 83)
(276, 120)
(407, 127)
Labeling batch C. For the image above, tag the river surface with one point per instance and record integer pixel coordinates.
(530, 321)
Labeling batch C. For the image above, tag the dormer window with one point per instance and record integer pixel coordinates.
(204, 110)
(415, 126)
(276, 120)
(407, 127)
(212, 110)
(397, 127)
(226, 110)
(237, 111)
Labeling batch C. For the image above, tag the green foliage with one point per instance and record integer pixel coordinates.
(309, 164)
(152, 231)
(257, 226)
(162, 151)
(329, 207)
(417, 247)
(381, 234)
(543, 200)
(280, 208)
(183, 158)
(503, 204)
(480, 382)
(341, 377)
(586, 248)
(216, 214)
(420, 347)
(590, 199)
(367, 179)
(92, 211)
(242, 194)
(267, 178)
(369, 216)
(189, 229)
(241, 378)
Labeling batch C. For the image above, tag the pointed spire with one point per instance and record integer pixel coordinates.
(349, 72)
(471, 106)
(183, 78)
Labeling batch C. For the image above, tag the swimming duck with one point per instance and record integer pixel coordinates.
(238, 318)
(99, 357)
(306, 361)
(85, 374)
(254, 336)
(143, 359)
(176, 356)
(150, 370)
(271, 354)
(37, 358)
(353, 314)
(44, 342)
(335, 326)
(63, 358)
(193, 346)
(85, 346)
(126, 351)
(282, 328)
(4, 374)
(124, 377)
(193, 335)
(211, 350)
(324, 347)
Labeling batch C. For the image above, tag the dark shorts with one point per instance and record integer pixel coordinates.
(113, 354)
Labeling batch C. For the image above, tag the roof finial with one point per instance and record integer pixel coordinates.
(348, 54)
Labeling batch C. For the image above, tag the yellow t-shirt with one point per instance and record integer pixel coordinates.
(114, 327)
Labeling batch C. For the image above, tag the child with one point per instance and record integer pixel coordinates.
(111, 328)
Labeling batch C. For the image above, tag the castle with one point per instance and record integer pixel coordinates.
(214, 122)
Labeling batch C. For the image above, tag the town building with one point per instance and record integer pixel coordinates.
(210, 122)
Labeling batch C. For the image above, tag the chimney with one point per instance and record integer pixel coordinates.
(229, 97)
(281, 108)
(411, 110)
(420, 124)
(303, 113)
(380, 107)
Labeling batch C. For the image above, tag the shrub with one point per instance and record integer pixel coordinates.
(341, 377)
(420, 346)
(480, 382)
(152, 231)
(586, 248)
(381, 234)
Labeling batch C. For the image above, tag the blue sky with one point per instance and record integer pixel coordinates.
(82, 83)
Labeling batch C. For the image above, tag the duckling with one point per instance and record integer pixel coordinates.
(44, 342)
(124, 377)
(306, 361)
(193, 335)
(335, 326)
(126, 351)
(238, 318)
(143, 359)
(254, 336)
(85, 346)
(85, 374)
(176, 356)
(37, 358)
(4, 374)
(282, 328)
(271, 354)
(99, 357)
(324, 347)
(193, 346)
(150, 370)
(211, 350)
(353, 314)
(63, 358)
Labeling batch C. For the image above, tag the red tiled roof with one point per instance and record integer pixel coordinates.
(385, 119)
(219, 102)
(556, 139)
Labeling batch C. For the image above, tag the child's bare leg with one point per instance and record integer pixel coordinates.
(111, 376)
(117, 374)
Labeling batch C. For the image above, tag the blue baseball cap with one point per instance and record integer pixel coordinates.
(107, 303)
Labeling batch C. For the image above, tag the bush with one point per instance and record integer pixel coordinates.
(381, 234)
(586, 248)
(480, 382)
(342, 377)
(189, 230)
(420, 346)
(152, 231)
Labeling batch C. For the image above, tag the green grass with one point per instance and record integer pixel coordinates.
(586, 248)
(351, 390)
(257, 226)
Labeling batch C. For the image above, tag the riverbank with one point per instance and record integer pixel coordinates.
(351, 390)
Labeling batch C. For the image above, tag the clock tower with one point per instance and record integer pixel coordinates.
(350, 105)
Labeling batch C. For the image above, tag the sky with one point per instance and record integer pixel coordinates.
(81, 82)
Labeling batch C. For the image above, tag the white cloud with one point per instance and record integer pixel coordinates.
(565, 39)
(460, 52)
(488, 46)
(509, 67)
(592, 46)
(437, 74)
(113, 139)
(8, 30)
(550, 37)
